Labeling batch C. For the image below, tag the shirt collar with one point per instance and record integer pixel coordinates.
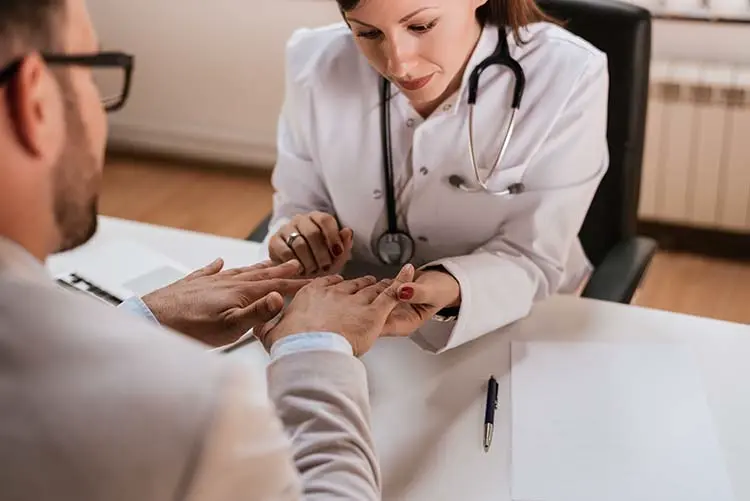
(17, 261)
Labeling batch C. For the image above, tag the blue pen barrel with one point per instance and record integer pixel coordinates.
(489, 412)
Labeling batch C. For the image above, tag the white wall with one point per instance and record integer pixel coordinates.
(209, 73)
(701, 41)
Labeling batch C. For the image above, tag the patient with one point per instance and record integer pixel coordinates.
(98, 404)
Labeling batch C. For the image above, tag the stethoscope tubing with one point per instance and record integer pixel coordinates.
(502, 57)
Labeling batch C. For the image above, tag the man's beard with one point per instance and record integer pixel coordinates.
(76, 182)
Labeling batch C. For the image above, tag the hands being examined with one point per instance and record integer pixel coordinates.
(217, 306)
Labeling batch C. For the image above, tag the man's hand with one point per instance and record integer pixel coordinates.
(356, 309)
(217, 307)
(431, 292)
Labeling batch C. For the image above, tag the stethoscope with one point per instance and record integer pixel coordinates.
(396, 247)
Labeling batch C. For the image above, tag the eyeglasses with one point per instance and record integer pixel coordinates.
(112, 72)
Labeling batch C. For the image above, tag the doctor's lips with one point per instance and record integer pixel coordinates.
(415, 84)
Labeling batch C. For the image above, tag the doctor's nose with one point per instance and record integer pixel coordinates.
(400, 59)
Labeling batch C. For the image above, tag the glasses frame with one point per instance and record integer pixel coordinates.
(98, 60)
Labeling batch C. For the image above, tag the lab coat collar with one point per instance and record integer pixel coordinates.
(486, 45)
(18, 262)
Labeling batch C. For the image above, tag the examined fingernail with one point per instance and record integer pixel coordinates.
(406, 293)
(337, 250)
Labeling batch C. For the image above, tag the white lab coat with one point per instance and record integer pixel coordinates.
(506, 253)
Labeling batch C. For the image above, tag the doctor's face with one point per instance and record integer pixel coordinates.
(422, 46)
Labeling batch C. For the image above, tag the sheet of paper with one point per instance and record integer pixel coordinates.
(614, 422)
(428, 421)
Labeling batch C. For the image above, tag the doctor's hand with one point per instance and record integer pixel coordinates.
(321, 247)
(355, 309)
(419, 300)
(217, 307)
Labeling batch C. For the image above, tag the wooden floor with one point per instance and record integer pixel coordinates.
(231, 202)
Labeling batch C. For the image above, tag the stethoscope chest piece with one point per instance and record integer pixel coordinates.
(395, 248)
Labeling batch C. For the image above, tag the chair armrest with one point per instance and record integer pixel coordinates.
(260, 231)
(619, 275)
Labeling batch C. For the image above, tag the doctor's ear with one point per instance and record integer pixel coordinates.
(478, 3)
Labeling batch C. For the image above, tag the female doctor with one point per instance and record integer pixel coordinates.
(383, 160)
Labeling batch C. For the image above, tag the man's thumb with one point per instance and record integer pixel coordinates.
(261, 311)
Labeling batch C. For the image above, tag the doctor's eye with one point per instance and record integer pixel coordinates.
(423, 28)
(370, 35)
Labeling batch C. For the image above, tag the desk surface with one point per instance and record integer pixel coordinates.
(419, 399)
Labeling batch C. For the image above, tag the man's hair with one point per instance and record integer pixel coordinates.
(29, 25)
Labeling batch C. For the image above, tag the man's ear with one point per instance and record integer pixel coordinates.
(36, 103)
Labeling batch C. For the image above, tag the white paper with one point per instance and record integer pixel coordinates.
(614, 422)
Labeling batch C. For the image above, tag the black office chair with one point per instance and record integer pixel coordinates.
(620, 257)
(609, 234)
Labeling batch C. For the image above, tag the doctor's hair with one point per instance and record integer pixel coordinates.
(515, 14)
(29, 25)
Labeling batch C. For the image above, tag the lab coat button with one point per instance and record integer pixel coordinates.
(377, 194)
(447, 107)
(423, 239)
(424, 171)
(410, 123)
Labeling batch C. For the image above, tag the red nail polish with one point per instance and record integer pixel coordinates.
(337, 250)
(406, 293)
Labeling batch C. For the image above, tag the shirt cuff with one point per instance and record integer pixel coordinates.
(311, 341)
(136, 306)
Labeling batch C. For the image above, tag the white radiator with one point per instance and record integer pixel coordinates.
(696, 169)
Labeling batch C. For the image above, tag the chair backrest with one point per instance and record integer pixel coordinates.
(622, 31)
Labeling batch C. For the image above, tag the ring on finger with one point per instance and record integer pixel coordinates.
(292, 237)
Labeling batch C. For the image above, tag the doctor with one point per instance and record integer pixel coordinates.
(467, 137)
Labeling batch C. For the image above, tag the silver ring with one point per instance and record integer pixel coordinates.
(291, 238)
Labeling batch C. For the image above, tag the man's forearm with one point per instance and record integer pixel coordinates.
(322, 399)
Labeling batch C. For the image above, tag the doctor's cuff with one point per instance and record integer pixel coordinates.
(451, 328)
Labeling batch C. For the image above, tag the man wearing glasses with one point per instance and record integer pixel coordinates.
(97, 404)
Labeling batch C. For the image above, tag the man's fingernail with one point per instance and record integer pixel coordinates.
(337, 250)
(406, 293)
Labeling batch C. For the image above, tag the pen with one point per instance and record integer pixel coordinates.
(489, 413)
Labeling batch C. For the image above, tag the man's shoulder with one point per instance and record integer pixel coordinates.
(116, 393)
(69, 318)
(105, 356)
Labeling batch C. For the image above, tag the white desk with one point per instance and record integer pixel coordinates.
(428, 395)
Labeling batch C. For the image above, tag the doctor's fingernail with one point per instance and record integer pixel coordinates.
(337, 250)
(406, 293)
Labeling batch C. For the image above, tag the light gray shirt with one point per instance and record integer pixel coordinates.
(101, 405)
